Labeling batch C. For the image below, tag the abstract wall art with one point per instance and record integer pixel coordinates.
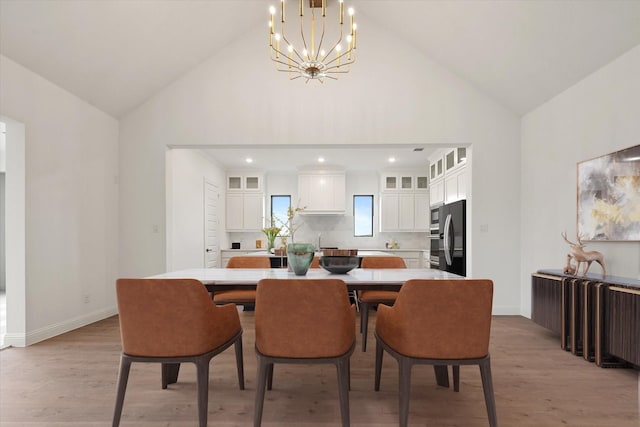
(609, 196)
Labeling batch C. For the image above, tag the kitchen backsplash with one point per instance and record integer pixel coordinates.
(336, 231)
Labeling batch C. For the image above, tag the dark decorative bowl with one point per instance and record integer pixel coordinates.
(339, 264)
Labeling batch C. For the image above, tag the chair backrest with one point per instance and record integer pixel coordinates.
(439, 319)
(170, 317)
(306, 318)
(382, 262)
(249, 262)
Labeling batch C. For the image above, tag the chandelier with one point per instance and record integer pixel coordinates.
(309, 56)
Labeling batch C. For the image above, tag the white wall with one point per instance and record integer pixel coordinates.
(71, 203)
(599, 115)
(186, 172)
(223, 102)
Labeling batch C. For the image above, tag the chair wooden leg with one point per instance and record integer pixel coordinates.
(404, 368)
(456, 378)
(123, 377)
(269, 376)
(202, 368)
(342, 366)
(379, 354)
(487, 386)
(239, 362)
(169, 374)
(442, 375)
(364, 323)
(261, 383)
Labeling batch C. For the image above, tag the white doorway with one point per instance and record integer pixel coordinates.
(13, 236)
(211, 245)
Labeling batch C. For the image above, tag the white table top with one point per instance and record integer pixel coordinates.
(358, 278)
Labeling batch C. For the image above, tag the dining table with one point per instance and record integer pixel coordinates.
(218, 279)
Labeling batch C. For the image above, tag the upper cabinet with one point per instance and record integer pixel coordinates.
(244, 202)
(436, 167)
(405, 182)
(322, 192)
(447, 170)
(454, 158)
(404, 202)
(244, 182)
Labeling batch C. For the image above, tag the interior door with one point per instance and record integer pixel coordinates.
(211, 245)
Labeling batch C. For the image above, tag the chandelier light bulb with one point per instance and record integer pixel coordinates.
(290, 48)
(272, 10)
(338, 48)
(277, 36)
(351, 11)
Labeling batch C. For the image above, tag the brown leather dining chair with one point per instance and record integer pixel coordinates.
(305, 321)
(241, 296)
(171, 321)
(437, 322)
(372, 297)
(315, 262)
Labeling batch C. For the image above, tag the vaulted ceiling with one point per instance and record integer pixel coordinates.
(116, 54)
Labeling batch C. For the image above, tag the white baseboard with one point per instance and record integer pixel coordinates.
(506, 310)
(50, 331)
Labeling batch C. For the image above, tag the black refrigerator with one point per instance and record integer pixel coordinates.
(452, 244)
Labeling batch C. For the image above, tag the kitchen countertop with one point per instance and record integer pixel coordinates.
(360, 251)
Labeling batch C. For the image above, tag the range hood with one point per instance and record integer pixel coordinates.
(322, 192)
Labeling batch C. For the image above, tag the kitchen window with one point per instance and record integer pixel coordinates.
(363, 215)
(279, 210)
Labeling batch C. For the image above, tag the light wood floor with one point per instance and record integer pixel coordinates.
(70, 381)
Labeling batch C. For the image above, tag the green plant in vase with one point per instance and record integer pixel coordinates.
(271, 233)
(299, 255)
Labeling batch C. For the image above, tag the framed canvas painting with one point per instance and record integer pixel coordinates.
(609, 196)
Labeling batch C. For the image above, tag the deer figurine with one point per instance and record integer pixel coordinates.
(582, 256)
(569, 268)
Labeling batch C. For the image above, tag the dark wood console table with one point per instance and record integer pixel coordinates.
(597, 318)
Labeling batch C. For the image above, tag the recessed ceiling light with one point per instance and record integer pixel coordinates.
(320, 159)
(392, 159)
(248, 160)
(418, 149)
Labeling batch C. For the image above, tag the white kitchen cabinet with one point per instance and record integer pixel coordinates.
(454, 158)
(447, 171)
(322, 193)
(422, 183)
(244, 211)
(406, 181)
(398, 212)
(455, 186)
(421, 212)
(413, 259)
(389, 212)
(437, 192)
(244, 182)
(404, 201)
(436, 168)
